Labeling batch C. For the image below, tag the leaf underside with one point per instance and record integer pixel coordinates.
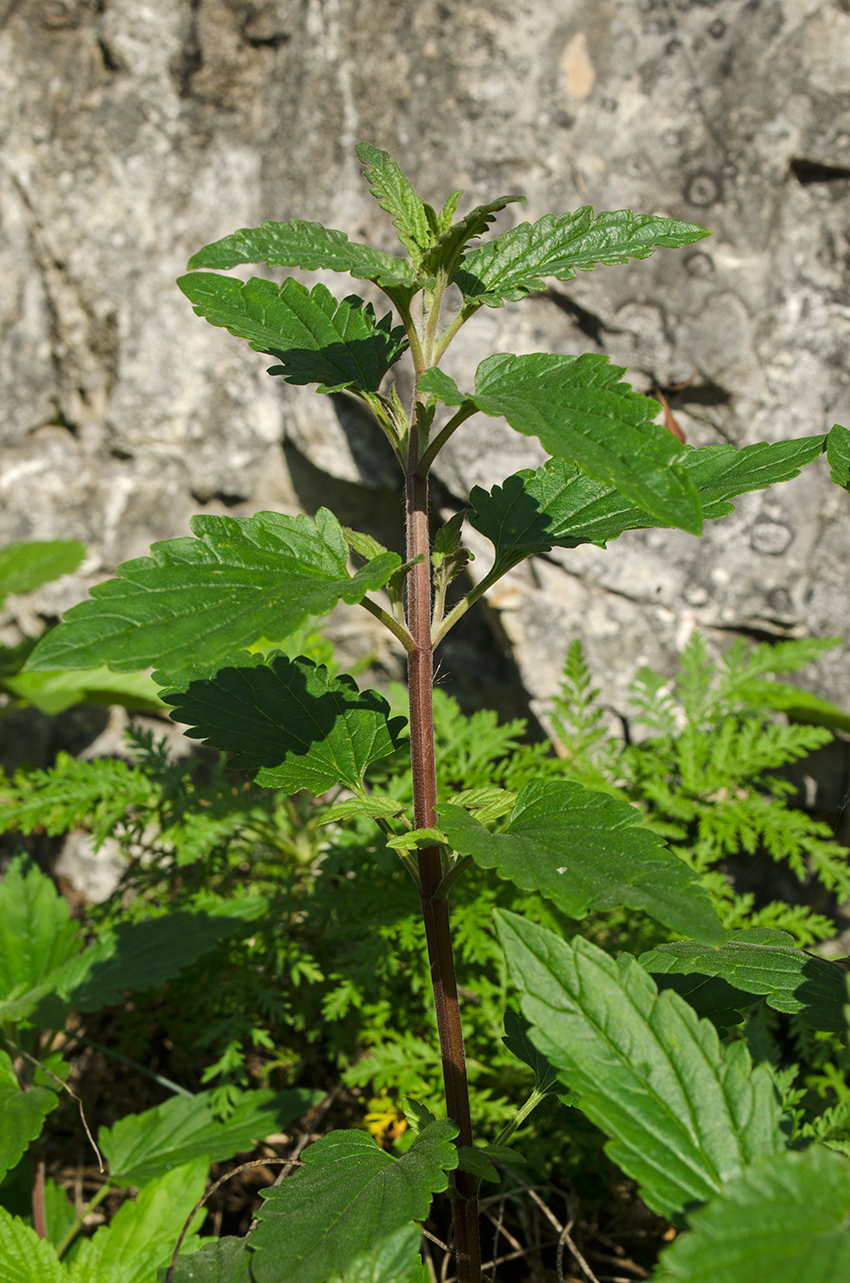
(583, 849)
(765, 963)
(26, 566)
(193, 599)
(684, 1114)
(288, 722)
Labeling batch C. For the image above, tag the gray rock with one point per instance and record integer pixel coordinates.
(133, 134)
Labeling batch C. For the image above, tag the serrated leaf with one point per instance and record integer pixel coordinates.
(416, 840)
(583, 849)
(141, 1236)
(372, 806)
(393, 1260)
(800, 705)
(489, 803)
(838, 455)
(784, 1219)
(24, 1257)
(22, 1113)
(289, 723)
(348, 1197)
(142, 1147)
(765, 963)
(557, 506)
(580, 411)
(37, 933)
(194, 599)
(516, 1039)
(319, 340)
(26, 566)
(517, 262)
(417, 1114)
(449, 249)
(439, 385)
(141, 955)
(477, 1163)
(224, 1260)
(299, 243)
(395, 194)
(684, 1114)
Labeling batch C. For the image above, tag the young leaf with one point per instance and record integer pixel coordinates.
(580, 411)
(443, 388)
(514, 264)
(557, 506)
(304, 244)
(24, 1257)
(337, 345)
(26, 566)
(784, 1219)
(765, 963)
(239, 579)
(142, 1147)
(37, 933)
(348, 1197)
(583, 849)
(394, 193)
(838, 454)
(140, 1237)
(447, 253)
(291, 724)
(516, 1039)
(684, 1114)
(22, 1113)
(372, 805)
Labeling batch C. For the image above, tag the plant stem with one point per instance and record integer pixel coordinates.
(62, 1247)
(436, 911)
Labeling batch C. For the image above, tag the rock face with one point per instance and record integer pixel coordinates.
(135, 133)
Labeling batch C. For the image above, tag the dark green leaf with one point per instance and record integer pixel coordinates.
(22, 1113)
(783, 1220)
(684, 1114)
(838, 454)
(517, 262)
(290, 723)
(304, 244)
(393, 1260)
(348, 1197)
(557, 506)
(222, 1260)
(394, 193)
(516, 1039)
(26, 566)
(337, 345)
(581, 411)
(37, 933)
(765, 963)
(477, 1163)
(583, 849)
(239, 579)
(142, 1147)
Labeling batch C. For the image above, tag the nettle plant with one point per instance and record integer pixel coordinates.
(688, 1116)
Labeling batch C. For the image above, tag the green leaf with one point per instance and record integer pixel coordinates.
(557, 506)
(37, 933)
(192, 600)
(337, 345)
(477, 1163)
(371, 805)
(142, 1147)
(22, 1113)
(52, 693)
(684, 1114)
(142, 1234)
(26, 566)
(141, 955)
(514, 264)
(784, 1220)
(580, 411)
(516, 1039)
(838, 455)
(390, 1261)
(394, 193)
(24, 1257)
(291, 724)
(222, 1260)
(448, 252)
(583, 849)
(304, 244)
(765, 963)
(800, 705)
(438, 384)
(348, 1196)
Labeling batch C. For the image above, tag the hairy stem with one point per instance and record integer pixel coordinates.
(435, 911)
